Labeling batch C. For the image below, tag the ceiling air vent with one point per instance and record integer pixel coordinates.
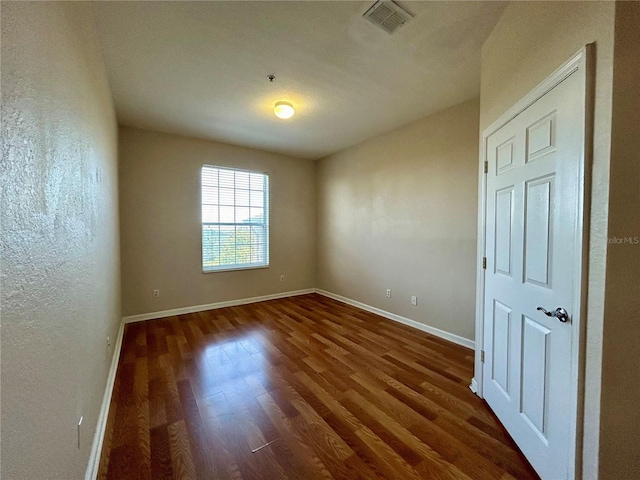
(387, 15)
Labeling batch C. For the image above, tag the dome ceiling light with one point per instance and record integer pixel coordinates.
(282, 109)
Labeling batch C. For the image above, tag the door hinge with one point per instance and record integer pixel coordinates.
(482, 356)
(484, 263)
(486, 167)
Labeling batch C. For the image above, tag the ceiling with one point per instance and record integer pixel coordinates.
(200, 68)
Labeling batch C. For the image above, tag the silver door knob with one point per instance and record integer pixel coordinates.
(560, 313)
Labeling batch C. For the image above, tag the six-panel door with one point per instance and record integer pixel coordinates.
(532, 246)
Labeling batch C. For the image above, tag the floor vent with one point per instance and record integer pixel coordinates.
(387, 15)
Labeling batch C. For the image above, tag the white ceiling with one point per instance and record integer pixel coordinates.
(200, 68)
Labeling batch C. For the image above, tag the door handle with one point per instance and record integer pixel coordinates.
(560, 313)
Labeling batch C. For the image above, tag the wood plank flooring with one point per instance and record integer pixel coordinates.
(299, 388)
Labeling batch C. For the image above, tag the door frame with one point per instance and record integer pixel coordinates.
(580, 64)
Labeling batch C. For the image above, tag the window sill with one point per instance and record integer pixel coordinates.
(235, 268)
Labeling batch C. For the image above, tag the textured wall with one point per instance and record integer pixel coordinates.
(620, 420)
(60, 249)
(399, 211)
(161, 229)
(529, 42)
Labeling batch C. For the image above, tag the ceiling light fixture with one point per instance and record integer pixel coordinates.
(283, 110)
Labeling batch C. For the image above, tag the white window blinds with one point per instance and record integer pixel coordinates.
(235, 219)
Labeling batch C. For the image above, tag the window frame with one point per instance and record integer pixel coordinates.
(266, 213)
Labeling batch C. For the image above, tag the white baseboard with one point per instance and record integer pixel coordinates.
(101, 426)
(452, 337)
(212, 306)
(474, 386)
(465, 342)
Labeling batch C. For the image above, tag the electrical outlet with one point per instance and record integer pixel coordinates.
(414, 300)
(388, 293)
(282, 278)
(79, 430)
(156, 293)
(108, 342)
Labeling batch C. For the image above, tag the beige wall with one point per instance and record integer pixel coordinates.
(160, 223)
(529, 42)
(620, 417)
(60, 246)
(399, 211)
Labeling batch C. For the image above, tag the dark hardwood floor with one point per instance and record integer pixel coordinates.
(300, 388)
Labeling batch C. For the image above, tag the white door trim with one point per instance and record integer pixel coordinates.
(582, 64)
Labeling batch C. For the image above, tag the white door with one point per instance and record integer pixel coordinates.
(533, 249)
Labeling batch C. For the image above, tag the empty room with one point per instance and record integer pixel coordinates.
(320, 239)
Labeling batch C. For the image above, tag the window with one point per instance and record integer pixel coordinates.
(235, 219)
